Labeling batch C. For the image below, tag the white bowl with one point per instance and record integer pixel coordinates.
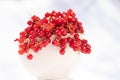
(49, 64)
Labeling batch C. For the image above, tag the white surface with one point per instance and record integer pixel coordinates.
(48, 64)
(101, 20)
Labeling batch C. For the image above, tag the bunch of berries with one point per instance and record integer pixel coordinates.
(58, 24)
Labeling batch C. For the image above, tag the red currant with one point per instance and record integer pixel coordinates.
(29, 56)
(58, 24)
(76, 36)
(62, 51)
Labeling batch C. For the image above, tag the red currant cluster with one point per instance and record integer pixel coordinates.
(58, 24)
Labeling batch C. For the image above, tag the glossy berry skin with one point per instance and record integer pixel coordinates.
(76, 36)
(39, 32)
(29, 56)
(62, 51)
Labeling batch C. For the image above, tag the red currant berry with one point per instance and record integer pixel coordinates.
(35, 18)
(55, 43)
(62, 51)
(39, 32)
(69, 39)
(88, 50)
(21, 52)
(48, 34)
(76, 36)
(29, 22)
(29, 56)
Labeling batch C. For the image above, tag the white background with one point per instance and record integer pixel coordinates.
(101, 21)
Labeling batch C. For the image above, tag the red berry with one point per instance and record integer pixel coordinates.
(35, 18)
(48, 34)
(71, 43)
(81, 30)
(69, 39)
(47, 14)
(57, 32)
(76, 36)
(29, 56)
(88, 50)
(29, 22)
(21, 52)
(63, 45)
(64, 32)
(28, 30)
(39, 33)
(63, 41)
(21, 40)
(46, 42)
(75, 48)
(55, 43)
(62, 51)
